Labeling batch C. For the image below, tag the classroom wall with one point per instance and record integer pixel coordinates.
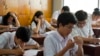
(57, 4)
(25, 9)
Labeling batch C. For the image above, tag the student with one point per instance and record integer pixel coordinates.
(9, 21)
(95, 17)
(14, 43)
(39, 24)
(56, 14)
(60, 42)
(82, 28)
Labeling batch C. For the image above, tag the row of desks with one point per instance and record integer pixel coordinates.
(89, 49)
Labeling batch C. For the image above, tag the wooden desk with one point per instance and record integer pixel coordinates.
(39, 38)
(96, 31)
(92, 50)
(40, 53)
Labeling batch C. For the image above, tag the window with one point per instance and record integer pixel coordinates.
(86, 5)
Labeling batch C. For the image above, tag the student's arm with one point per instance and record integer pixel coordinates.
(80, 51)
(32, 44)
(79, 42)
(91, 40)
(54, 21)
(3, 26)
(35, 27)
(17, 24)
(11, 51)
(49, 25)
(69, 45)
(35, 46)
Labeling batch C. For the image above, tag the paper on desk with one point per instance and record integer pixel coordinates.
(31, 52)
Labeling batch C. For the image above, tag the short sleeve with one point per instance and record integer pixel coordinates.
(74, 33)
(31, 42)
(49, 49)
(91, 33)
(3, 39)
(33, 25)
(47, 24)
(55, 15)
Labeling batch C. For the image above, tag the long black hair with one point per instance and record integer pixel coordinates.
(37, 14)
(6, 17)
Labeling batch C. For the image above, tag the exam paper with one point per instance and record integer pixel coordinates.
(31, 52)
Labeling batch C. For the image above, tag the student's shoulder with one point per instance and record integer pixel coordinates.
(50, 34)
(6, 35)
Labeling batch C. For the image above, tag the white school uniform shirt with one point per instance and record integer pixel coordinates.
(7, 40)
(42, 29)
(85, 32)
(56, 14)
(54, 43)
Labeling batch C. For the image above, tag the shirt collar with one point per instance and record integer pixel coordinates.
(60, 37)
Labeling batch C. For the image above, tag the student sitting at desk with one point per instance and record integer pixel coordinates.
(60, 42)
(57, 13)
(14, 43)
(39, 24)
(9, 21)
(83, 28)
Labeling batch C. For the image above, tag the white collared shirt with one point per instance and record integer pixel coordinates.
(56, 14)
(7, 40)
(54, 43)
(42, 29)
(86, 31)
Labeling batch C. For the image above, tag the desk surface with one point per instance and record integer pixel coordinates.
(39, 38)
(91, 49)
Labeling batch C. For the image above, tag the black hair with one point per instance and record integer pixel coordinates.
(65, 8)
(96, 11)
(66, 18)
(6, 17)
(23, 33)
(81, 15)
(37, 14)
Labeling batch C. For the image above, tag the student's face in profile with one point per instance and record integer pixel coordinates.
(81, 24)
(20, 42)
(41, 18)
(67, 29)
(10, 19)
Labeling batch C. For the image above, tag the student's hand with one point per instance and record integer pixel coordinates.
(10, 26)
(14, 16)
(37, 19)
(78, 41)
(18, 52)
(70, 44)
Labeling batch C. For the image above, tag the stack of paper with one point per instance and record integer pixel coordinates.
(31, 52)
